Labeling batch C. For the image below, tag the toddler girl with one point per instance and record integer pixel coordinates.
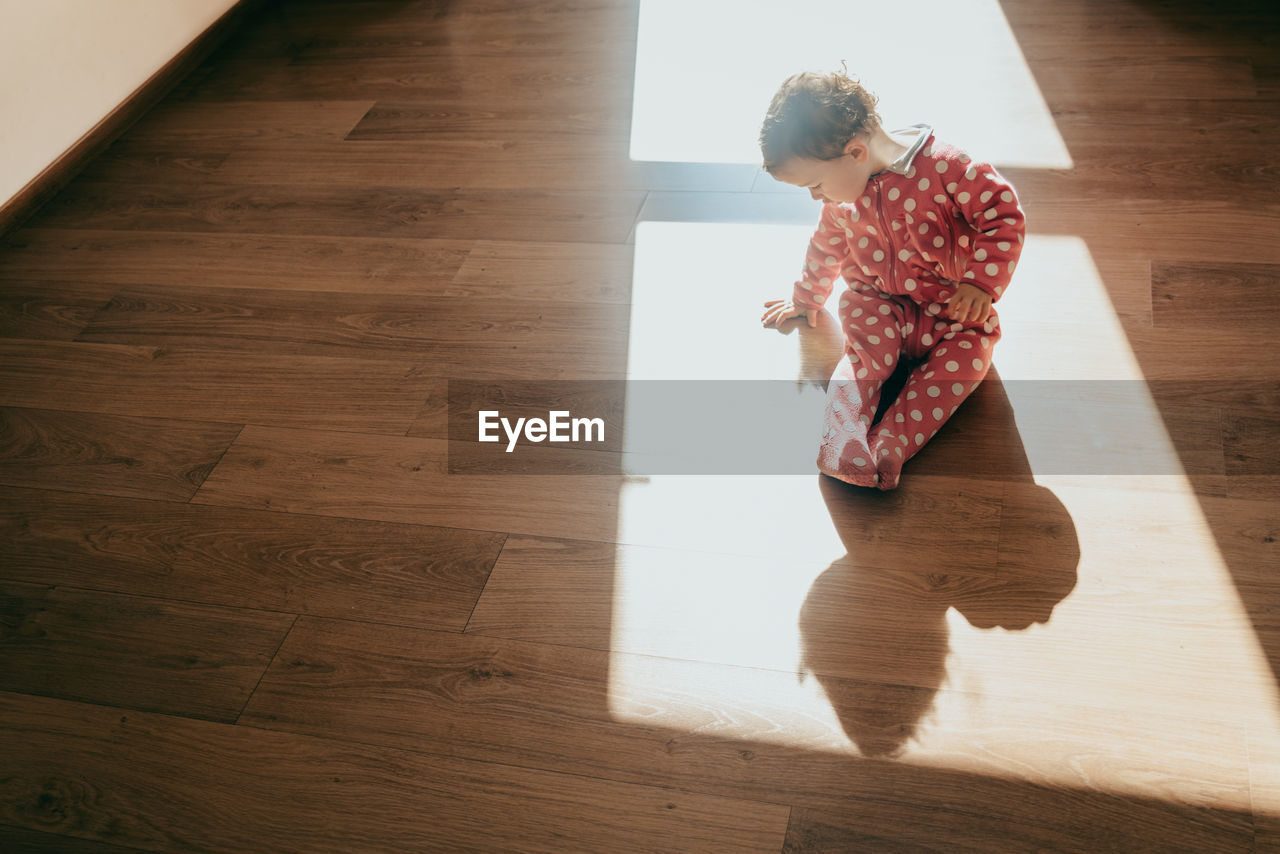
(925, 237)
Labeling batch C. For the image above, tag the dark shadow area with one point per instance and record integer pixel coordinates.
(873, 626)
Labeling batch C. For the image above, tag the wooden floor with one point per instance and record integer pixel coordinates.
(247, 608)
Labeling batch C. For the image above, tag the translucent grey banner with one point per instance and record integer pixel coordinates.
(1004, 429)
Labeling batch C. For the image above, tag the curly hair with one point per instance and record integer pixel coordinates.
(815, 115)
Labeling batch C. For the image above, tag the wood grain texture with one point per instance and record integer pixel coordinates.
(23, 840)
(1181, 292)
(232, 125)
(454, 336)
(1061, 633)
(817, 831)
(173, 167)
(409, 476)
(1068, 80)
(446, 706)
(111, 455)
(92, 772)
(874, 614)
(501, 159)
(1176, 229)
(402, 574)
(49, 310)
(346, 394)
(197, 661)
(556, 215)
(283, 262)
(1251, 454)
(576, 272)
(502, 82)
(408, 480)
(428, 120)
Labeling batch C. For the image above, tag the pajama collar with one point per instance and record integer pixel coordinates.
(903, 163)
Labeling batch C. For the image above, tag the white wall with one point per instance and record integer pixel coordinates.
(66, 64)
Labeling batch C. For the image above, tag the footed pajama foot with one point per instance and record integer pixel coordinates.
(852, 466)
(888, 469)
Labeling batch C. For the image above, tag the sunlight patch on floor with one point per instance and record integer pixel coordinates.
(1133, 669)
(706, 69)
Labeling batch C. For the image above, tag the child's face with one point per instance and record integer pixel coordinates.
(839, 181)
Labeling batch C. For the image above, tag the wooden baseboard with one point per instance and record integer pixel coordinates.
(59, 173)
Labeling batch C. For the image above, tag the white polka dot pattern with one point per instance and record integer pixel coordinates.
(944, 220)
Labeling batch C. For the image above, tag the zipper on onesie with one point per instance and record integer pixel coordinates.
(888, 234)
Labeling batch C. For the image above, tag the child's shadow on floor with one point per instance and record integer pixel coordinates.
(968, 529)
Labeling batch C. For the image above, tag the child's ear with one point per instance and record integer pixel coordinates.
(857, 149)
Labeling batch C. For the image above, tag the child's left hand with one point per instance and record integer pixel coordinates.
(968, 304)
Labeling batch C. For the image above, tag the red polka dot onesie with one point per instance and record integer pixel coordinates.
(933, 219)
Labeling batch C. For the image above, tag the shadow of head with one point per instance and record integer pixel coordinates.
(873, 626)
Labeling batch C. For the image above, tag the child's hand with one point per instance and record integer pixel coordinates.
(969, 304)
(778, 310)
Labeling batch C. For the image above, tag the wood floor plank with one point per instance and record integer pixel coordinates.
(427, 120)
(586, 709)
(557, 215)
(1252, 459)
(407, 480)
(155, 655)
(734, 609)
(1107, 174)
(1048, 29)
(511, 29)
(107, 454)
(1065, 80)
(1173, 230)
(578, 272)
(818, 831)
(409, 476)
(386, 18)
(1162, 355)
(500, 160)
(1243, 291)
(456, 337)
(340, 798)
(404, 574)
(479, 37)
(503, 82)
(871, 615)
(172, 167)
(21, 840)
(142, 381)
(1191, 121)
(1229, 145)
(220, 75)
(281, 262)
(49, 310)
(233, 124)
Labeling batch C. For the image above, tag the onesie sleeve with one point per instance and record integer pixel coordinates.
(990, 206)
(822, 263)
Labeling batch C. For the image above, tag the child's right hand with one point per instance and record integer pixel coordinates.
(779, 310)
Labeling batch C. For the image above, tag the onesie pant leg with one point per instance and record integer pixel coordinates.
(874, 333)
(952, 369)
